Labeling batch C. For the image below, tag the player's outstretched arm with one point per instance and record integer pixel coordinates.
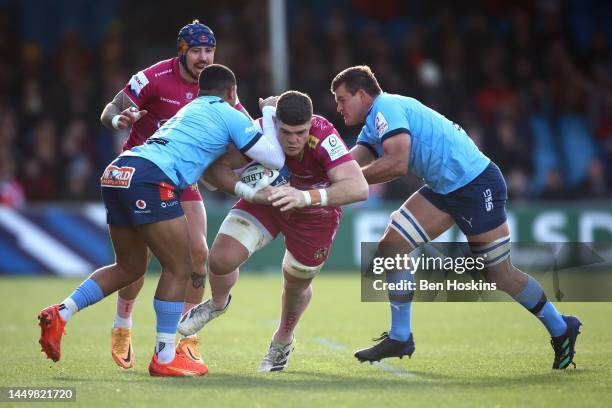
(221, 175)
(347, 186)
(394, 162)
(362, 155)
(121, 112)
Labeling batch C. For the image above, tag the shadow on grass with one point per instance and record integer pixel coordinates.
(309, 380)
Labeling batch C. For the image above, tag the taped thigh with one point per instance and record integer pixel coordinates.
(246, 229)
(408, 227)
(298, 270)
(494, 252)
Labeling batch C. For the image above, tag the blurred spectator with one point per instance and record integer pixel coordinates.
(531, 82)
(11, 192)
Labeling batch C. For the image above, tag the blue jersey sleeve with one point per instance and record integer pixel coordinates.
(389, 119)
(243, 132)
(365, 139)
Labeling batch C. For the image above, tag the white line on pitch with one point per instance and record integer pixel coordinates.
(382, 366)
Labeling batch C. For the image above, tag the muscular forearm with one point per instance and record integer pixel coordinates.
(109, 112)
(346, 192)
(221, 175)
(385, 169)
(115, 107)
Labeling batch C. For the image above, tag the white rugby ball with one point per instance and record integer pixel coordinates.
(258, 176)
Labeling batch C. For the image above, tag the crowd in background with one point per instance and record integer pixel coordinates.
(530, 81)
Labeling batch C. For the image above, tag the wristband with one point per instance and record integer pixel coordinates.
(115, 121)
(323, 193)
(245, 191)
(307, 199)
(313, 197)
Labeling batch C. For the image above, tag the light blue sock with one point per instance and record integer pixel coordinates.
(168, 316)
(533, 298)
(401, 303)
(87, 294)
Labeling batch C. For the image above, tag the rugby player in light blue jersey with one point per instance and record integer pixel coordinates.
(462, 186)
(141, 190)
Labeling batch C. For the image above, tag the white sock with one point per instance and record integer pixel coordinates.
(164, 348)
(123, 323)
(69, 308)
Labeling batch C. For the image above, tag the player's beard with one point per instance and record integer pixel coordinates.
(192, 74)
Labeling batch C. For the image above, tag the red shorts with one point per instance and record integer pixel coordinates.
(308, 233)
(191, 193)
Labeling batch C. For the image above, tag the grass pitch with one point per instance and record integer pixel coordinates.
(468, 354)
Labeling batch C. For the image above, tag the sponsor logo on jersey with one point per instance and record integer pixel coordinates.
(141, 204)
(166, 191)
(488, 199)
(334, 147)
(137, 83)
(170, 204)
(381, 124)
(313, 141)
(118, 177)
(167, 71)
(172, 101)
(158, 140)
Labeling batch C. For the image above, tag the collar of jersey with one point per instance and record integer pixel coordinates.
(374, 102)
(214, 97)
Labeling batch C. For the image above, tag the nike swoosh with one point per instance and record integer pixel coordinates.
(194, 358)
(129, 356)
(182, 371)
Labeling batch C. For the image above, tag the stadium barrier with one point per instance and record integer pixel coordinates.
(72, 240)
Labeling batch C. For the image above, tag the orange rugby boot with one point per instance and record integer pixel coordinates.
(51, 331)
(181, 366)
(121, 347)
(190, 346)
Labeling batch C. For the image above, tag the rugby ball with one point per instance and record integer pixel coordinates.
(258, 176)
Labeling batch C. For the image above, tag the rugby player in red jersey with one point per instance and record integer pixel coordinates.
(324, 176)
(150, 98)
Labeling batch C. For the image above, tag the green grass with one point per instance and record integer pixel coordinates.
(468, 354)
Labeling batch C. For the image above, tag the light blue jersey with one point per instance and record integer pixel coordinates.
(195, 137)
(441, 152)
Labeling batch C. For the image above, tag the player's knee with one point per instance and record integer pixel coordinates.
(220, 262)
(199, 255)
(407, 227)
(299, 271)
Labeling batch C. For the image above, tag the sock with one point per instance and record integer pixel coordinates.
(533, 298)
(168, 315)
(293, 307)
(186, 307)
(87, 294)
(164, 347)
(220, 286)
(401, 305)
(123, 316)
(67, 308)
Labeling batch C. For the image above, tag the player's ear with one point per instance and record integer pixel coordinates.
(230, 94)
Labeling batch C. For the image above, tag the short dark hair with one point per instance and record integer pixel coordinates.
(356, 78)
(294, 108)
(216, 79)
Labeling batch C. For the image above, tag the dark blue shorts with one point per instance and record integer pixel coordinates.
(477, 207)
(135, 192)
